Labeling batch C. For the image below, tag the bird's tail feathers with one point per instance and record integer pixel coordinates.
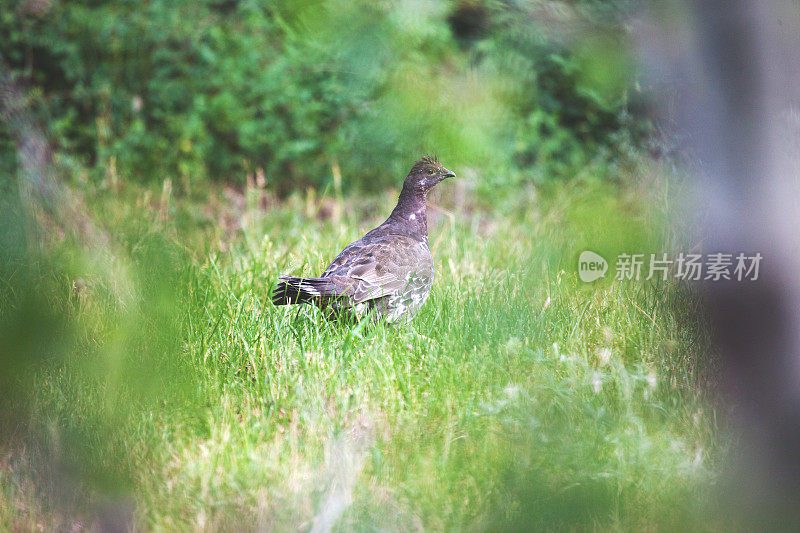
(295, 290)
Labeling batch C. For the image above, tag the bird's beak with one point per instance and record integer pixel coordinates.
(449, 174)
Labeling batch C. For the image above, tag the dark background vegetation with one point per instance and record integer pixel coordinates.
(211, 90)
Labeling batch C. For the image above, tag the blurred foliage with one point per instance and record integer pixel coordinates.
(78, 377)
(213, 89)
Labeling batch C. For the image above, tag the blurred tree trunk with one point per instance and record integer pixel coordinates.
(738, 73)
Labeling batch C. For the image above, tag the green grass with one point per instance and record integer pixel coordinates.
(518, 398)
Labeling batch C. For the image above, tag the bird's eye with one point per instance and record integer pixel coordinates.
(430, 171)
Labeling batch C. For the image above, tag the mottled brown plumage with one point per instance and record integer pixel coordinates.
(389, 271)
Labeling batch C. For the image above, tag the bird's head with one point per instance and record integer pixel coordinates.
(426, 173)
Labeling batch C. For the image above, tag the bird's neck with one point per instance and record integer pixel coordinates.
(410, 211)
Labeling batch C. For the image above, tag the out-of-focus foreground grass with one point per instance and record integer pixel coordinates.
(154, 381)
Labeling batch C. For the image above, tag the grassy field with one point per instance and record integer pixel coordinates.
(173, 391)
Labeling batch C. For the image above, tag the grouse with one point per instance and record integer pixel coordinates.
(389, 271)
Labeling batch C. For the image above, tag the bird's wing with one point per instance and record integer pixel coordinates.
(383, 267)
